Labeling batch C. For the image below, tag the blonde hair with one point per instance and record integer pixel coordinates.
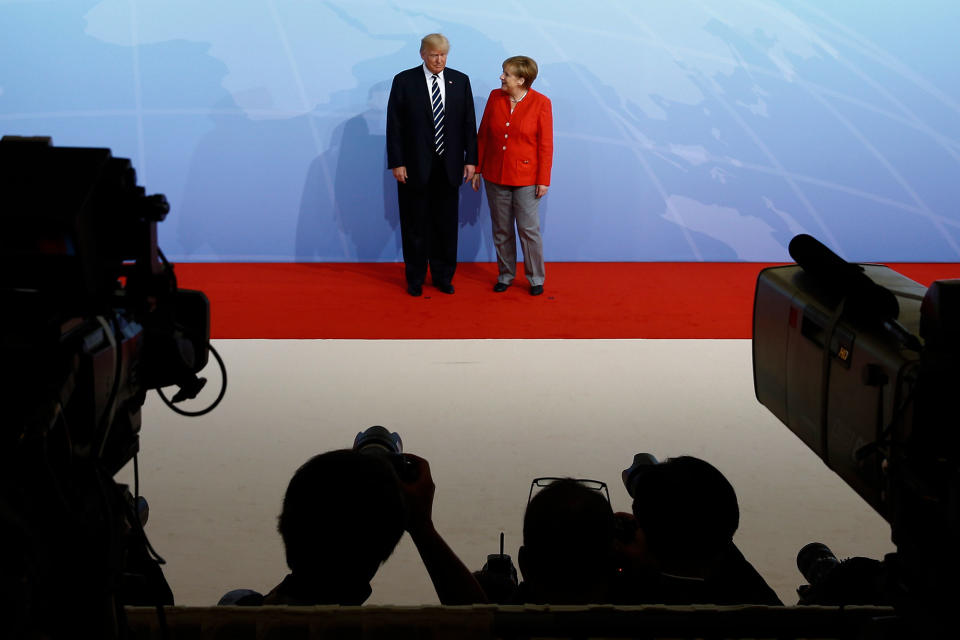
(524, 67)
(434, 42)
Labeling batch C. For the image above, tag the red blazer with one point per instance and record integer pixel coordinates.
(516, 149)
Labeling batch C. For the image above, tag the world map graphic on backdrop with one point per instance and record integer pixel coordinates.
(684, 130)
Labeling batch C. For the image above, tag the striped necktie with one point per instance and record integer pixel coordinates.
(437, 116)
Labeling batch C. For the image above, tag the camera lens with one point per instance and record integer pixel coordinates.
(641, 461)
(377, 439)
(815, 561)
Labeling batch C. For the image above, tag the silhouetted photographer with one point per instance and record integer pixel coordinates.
(567, 555)
(344, 513)
(687, 513)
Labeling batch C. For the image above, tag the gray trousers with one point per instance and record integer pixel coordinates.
(509, 206)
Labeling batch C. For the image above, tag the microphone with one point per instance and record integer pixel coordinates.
(865, 299)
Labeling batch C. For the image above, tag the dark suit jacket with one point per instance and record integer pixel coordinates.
(410, 126)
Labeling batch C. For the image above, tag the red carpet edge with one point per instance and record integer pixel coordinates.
(582, 300)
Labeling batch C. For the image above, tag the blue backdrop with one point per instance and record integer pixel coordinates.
(702, 130)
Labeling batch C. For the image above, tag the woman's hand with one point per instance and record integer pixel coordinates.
(541, 190)
(475, 182)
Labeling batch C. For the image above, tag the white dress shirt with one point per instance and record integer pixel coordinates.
(440, 83)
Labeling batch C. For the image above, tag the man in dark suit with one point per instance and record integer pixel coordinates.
(432, 150)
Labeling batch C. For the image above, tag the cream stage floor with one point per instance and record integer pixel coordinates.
(489, 415)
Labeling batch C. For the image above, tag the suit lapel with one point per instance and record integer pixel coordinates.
(449, 90)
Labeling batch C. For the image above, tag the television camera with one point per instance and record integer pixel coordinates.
(863, 365)
(92, 318)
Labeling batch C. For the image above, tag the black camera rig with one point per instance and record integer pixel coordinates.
(863, 365)
(92, 318)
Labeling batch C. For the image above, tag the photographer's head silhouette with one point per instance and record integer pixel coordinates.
(567, 552)
(343, 515)
(688, 512)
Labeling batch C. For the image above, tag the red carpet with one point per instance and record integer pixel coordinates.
(582, 300)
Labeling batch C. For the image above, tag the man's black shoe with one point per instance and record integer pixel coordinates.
(536, 289)
(445, 288)
(500, 287)
(414, 289)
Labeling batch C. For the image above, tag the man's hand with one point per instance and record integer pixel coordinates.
(452, 580)
(400, 173)
(632, 550)
(541, 190)
(468, 171)
(419, 496)
(475, 182)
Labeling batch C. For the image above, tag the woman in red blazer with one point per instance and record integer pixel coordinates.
(515, 146)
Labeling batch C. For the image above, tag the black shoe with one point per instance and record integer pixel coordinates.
(445, 288)
(500, 287)
(536, 289)
(415, 289)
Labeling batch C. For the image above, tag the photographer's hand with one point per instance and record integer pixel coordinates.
(419, 497)
(632, 551)
(453, 582)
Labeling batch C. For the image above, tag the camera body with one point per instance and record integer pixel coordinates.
(852, 581)
(93, 319)
(96, 318)
(836, 382)
(499, 578)
(863, 364)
